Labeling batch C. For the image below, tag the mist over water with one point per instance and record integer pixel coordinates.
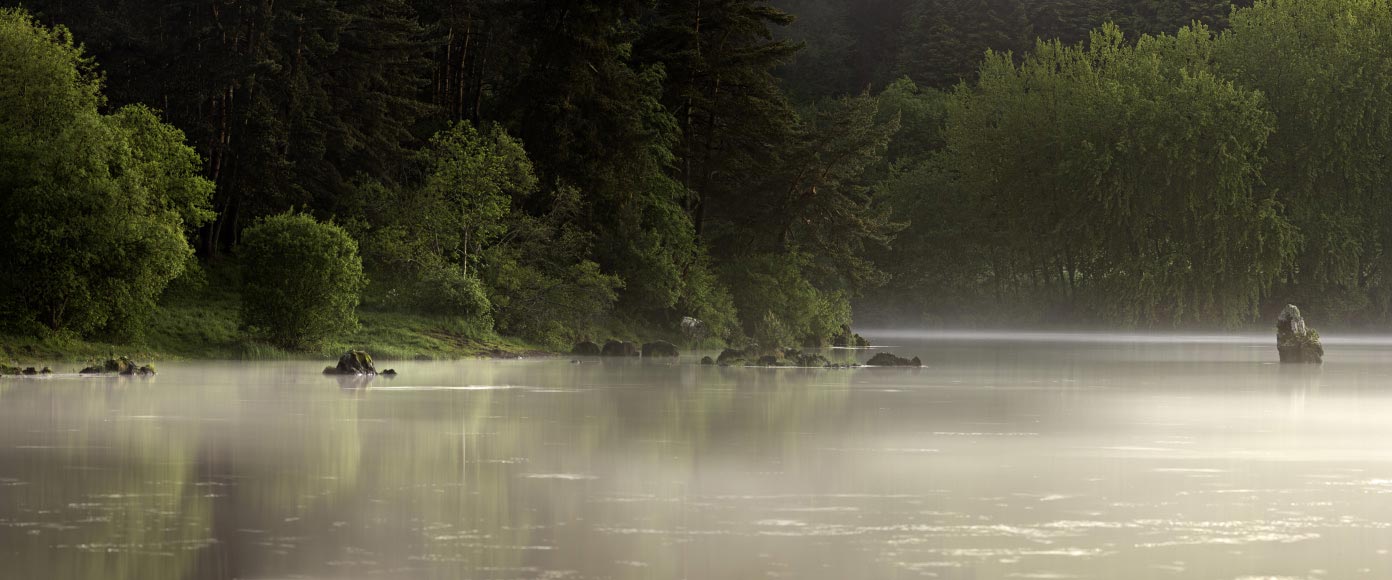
(1010, 455)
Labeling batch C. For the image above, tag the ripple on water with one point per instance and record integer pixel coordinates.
(561, 476)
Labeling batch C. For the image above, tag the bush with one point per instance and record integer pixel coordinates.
(302, 280)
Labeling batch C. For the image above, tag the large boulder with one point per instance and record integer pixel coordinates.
(353, 362)
(616, 348)
(731, 356)
(585, 348)
(1295, 342)
(660, 348)
(886, 359)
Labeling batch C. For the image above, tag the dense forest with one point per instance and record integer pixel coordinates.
(559, 170)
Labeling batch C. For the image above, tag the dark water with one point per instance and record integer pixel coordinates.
(1050, 457)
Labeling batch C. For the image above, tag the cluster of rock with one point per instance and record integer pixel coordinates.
(615, 348)
(30, 371)
(119, 366)
(753, 356)
(356, 363)
(1295, 342)
(847, 339)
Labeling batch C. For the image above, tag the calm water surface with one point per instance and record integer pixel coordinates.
(1121, 457)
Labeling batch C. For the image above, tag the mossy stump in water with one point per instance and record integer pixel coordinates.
(1296, 343)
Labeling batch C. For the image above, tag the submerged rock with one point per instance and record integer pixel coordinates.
(616, 348)
(660, 348)
(353, 362)
(585, 348)
(1295, 342)
(886, 359)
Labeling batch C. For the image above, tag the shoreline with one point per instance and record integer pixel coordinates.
(187, 332)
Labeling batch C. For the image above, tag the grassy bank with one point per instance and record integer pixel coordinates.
(205, 326)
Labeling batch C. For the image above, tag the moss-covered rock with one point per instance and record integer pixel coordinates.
(705, 360)
(585, 348)
(616, 348)
(886, 359)
(660, 348)
(118, 366)
(731, 356)
(353, 362)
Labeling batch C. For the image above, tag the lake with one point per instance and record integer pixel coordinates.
(1045, 456)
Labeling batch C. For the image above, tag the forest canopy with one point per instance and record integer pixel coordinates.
(779, 170)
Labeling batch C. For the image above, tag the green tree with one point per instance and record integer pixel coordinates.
(1324, 66)
(1121, 179)
(98, 205)
(301, 280)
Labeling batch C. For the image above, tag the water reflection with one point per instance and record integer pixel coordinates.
(998, 460)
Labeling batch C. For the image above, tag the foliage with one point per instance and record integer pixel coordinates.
(779, 306)
(540, 283)
(548, 169)
(427, 234)
(301, 280)
(1154, 219)
(97, 205)
(1325, 66)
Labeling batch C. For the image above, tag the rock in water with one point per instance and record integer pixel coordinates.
(660, 348)
(616, 348)
(1295, 342)
(886, 359)
(585, 348)
(353, 362)
(730, 356)
(121, 366)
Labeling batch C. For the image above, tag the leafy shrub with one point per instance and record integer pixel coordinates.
(302, 280)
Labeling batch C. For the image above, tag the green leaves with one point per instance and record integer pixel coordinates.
(1122, 178)
(301, 280)
(98, 204)
(1325, 68)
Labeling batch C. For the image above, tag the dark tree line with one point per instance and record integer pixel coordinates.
(548, 168)
(852, 45)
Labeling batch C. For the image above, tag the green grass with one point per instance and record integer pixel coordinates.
(205, 327)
